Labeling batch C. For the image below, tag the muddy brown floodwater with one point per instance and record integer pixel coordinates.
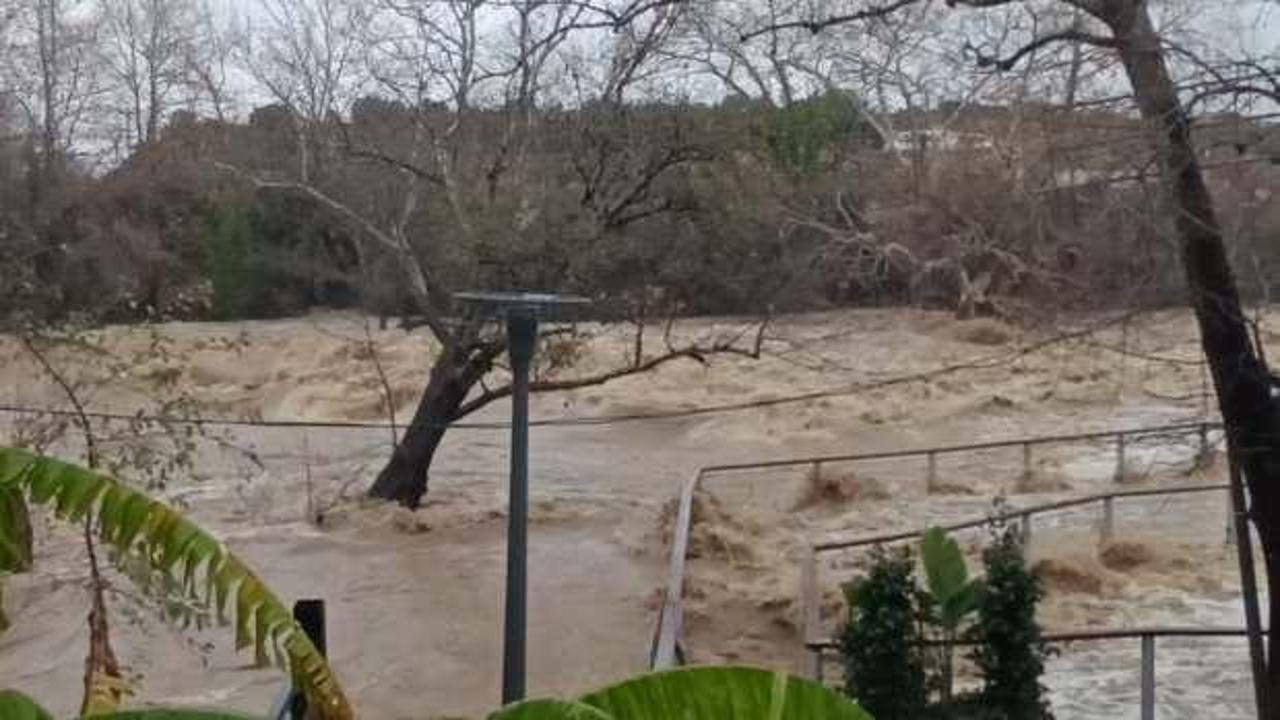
(415, 599)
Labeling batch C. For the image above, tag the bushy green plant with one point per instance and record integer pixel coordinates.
(1011, 650)
(883, 656)
(891, 620)
(952, 594)
(805, 135)
(206, 572)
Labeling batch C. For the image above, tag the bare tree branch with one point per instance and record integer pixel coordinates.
(816, 26)
(691, 353)
(91, 448)
(417, 275)
(1071, 35)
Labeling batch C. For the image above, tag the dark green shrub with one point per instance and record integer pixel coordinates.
(1011, 650)
(880, 643)
(808, 135)
(231, 267)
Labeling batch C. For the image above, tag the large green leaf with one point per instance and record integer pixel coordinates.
(15, 531)
(16, 706)
(139, 526)
(947, 576)
(549, 710)
(943, 563)
(161, 713)
(956, 606)
(699, 693)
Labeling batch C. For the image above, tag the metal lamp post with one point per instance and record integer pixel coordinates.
(521, 311)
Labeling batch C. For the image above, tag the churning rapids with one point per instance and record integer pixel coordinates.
(415, 599)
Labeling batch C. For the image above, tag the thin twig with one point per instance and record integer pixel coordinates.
(387, 396)
(91, 449)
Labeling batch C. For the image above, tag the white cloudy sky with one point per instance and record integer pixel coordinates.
(1227, 28)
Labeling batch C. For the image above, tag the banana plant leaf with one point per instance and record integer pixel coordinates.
(698, 693)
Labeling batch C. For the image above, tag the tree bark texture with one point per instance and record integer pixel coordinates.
(458, 369)
(1244, 387)
(405, 476)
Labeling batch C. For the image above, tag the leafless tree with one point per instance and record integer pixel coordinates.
(50, 65)
(472, 80)
(305, 55)
(208, 62)
(1247, 392)
(147, 46)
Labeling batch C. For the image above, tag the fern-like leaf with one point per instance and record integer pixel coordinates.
(134, 523)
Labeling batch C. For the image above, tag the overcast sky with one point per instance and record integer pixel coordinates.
(1229, 28)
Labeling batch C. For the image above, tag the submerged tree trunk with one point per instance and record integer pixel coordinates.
(1244, 388)
(404, 479)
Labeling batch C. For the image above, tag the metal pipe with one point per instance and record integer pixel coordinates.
(1248, 584)
(522, 332)
(1148, 677)
(1026, 466)
(1108, 520)
(832, 545)
(310, 617)
(1120, 460)
(952, 449)
(666, 646)
(1230, 532)
(1091, 635)
(931, 480)
(811, 603)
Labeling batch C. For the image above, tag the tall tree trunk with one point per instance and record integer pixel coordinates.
(461, 365)
(404, 478)
(1244, 388)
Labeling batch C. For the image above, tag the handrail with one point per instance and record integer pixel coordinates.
(1066, 636)
(1148, 636)
(1018, 513)
(665, 646)
(671, 614)
(970, 447)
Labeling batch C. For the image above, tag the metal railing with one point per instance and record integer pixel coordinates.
(666, 649)
(1146, 635)
(810, 590)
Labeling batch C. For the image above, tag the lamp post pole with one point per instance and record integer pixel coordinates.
(522, 334)
(521, 311)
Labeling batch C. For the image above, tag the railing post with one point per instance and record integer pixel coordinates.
(1026, 466)
(1108, 530)
(1204, 441)
(1231, 520)
(810, 605)
(818, 669)
(310, 616)
(1120, 443)
(931, 478)
(1148, 677)
(1026, 530)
